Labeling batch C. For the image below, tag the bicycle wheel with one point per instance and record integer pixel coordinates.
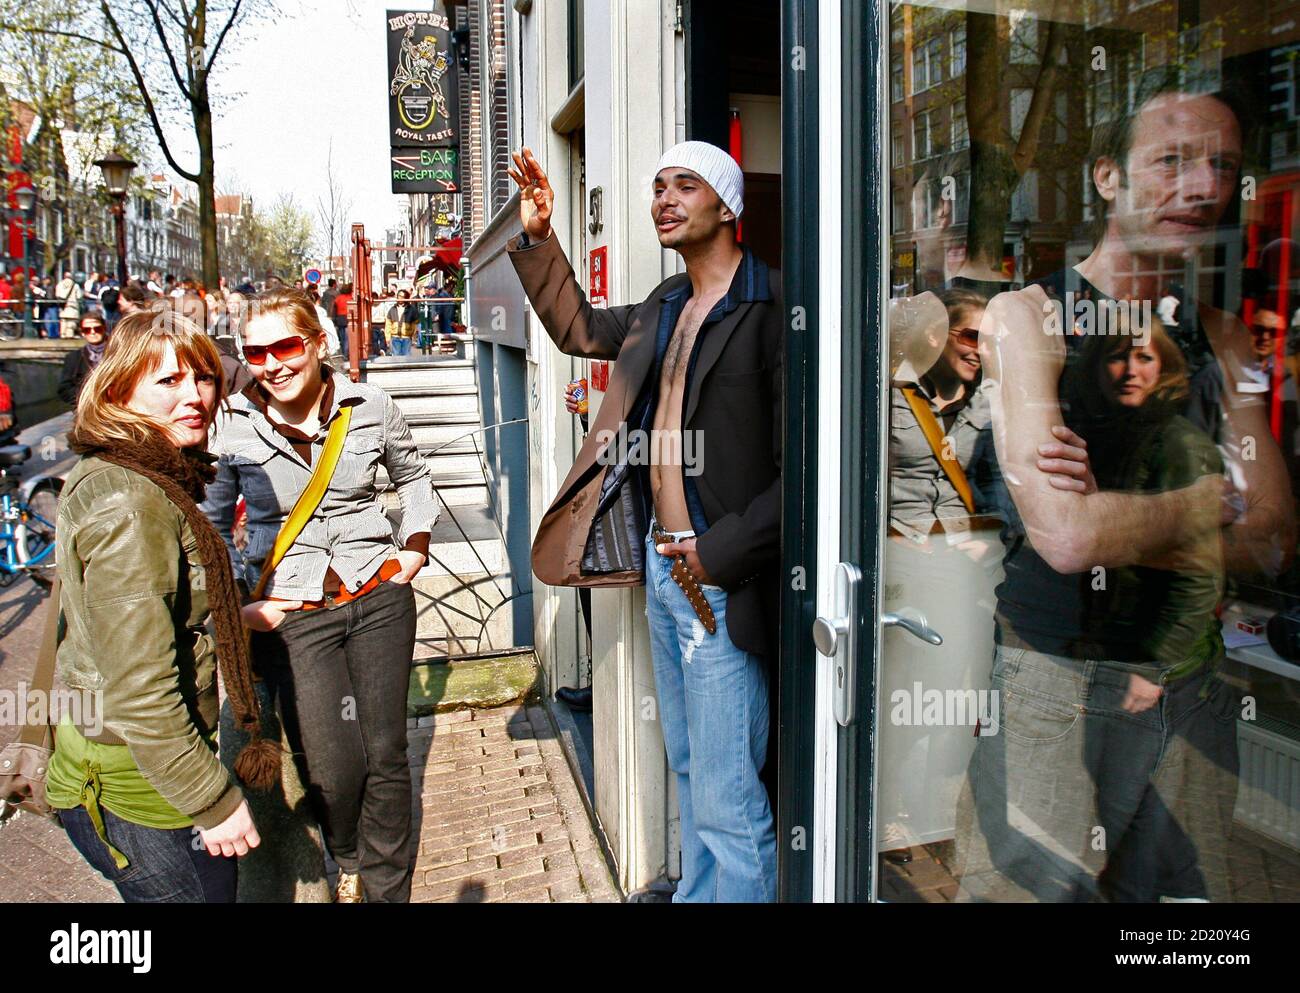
(10, 329)
(34, 534)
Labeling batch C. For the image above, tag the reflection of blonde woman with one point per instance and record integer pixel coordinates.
(943, 559)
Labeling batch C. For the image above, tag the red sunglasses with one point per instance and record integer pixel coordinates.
(285, 348)
(967, 336)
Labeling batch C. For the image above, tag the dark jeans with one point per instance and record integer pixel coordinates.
(164, 866)
(342, 675)
(341, 326)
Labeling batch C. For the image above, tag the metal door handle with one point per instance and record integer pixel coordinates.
(836, 638)
(913, 622)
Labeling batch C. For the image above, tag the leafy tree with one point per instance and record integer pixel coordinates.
(170, 50)
(78, 93)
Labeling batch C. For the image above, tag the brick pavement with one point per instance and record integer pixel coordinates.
(500, 816)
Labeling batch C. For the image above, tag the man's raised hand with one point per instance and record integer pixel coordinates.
(536, 198)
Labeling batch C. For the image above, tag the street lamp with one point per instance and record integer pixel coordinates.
(25, 198)
(117, 177)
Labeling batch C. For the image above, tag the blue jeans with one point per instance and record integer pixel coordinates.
(1075, 799)
(713, 708)
(164, 866)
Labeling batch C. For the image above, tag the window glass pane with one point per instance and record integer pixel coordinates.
(1095, 229)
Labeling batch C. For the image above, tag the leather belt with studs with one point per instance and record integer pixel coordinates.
(689, 585)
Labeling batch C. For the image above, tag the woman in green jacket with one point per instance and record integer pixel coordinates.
(135, 773)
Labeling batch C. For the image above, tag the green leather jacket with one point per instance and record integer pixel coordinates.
(135, 606)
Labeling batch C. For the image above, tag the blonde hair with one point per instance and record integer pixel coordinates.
(294, 306)
(135, 349)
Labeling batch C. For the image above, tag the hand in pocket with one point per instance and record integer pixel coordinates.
(267, 615)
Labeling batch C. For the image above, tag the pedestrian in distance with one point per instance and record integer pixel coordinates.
(78, 365)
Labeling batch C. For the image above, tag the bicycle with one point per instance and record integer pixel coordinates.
(28, 510)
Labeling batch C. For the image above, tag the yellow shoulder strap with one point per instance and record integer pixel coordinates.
(309, 499)
(934, 435)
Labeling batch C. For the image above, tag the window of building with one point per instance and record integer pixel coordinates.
(896, 151)
(961, 198)
(1021, 98)
(960, 132)
(1024, 38)
(927, 65)
(576, 49)
(1024, 202)
(957, 45)
(896, 87)
(921, 146)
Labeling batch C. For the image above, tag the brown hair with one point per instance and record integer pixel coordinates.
(960, 303)
(1172, 383)
(135, 349)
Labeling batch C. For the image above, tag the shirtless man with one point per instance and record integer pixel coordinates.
(697, 388)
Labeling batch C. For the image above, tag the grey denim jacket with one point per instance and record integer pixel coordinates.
(349, 531)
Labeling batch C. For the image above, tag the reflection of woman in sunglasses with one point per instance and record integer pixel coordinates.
(79, 364)
(936, 416)
(335, 630)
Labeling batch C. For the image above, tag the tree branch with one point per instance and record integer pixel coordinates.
(176, 19)
(144, 94)
(234, 15)
(171, 59)
(18, 29)
(1044, 86)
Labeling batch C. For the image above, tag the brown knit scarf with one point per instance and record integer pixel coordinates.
(183, 475)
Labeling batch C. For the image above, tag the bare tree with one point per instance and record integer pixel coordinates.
(332, 210)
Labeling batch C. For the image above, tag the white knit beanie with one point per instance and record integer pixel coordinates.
(714, 166)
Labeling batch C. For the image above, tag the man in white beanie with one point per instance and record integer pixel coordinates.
(696, 394)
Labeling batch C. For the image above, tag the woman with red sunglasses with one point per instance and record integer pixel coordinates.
(334, 632)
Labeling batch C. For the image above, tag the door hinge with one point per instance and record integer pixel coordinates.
(679, 24)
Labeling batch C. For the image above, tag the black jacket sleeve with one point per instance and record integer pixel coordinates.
(74, 374)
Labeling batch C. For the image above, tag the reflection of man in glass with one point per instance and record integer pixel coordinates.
(1113, 774)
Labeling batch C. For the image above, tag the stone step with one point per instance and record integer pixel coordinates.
(435, 406)
(447, 439)
(449, 496)
(471, 684)
(424, 375)
(413, 416)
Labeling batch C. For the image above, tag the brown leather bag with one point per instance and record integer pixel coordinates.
(23, 764)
